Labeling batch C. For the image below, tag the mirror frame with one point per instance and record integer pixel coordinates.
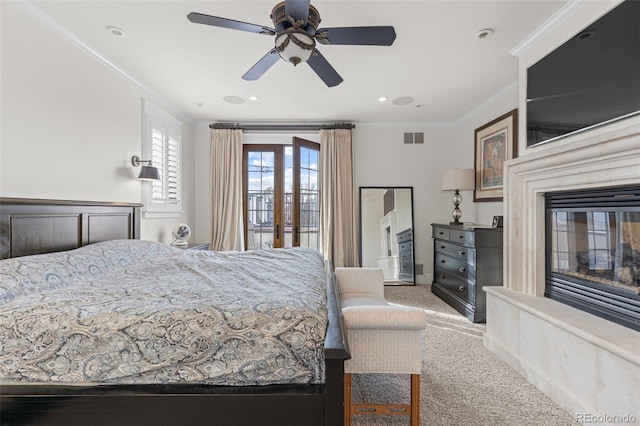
(413, 247)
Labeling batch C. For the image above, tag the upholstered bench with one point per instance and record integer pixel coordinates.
(382, 338)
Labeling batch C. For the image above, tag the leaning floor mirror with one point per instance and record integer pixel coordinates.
(386, 232)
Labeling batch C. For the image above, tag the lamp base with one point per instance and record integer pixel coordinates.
(456, 213)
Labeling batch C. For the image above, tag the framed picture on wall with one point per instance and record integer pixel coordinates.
(495, 143)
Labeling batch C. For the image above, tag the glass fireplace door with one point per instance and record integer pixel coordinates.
(593, 252)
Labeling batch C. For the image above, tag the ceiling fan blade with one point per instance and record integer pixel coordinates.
(369, 36)
(267, 61)
(298, 9)
(200, 18)
(323, 68)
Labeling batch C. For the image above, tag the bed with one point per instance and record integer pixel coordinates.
(166, 364)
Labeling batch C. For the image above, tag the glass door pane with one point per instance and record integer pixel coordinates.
(260, 199)
(308, 194)
(288, 196)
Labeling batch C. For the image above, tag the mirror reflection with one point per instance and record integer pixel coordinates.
(386, 232)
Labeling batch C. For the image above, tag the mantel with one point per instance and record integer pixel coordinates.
(603, 160)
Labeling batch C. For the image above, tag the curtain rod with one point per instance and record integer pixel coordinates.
(254, 127)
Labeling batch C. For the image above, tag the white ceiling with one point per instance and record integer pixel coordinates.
(436, 59)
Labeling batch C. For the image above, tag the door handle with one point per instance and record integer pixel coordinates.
(278, 232)
(296, 231)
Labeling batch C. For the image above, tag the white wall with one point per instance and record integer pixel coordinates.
(70, 125)
(494, 107)
(382, 159)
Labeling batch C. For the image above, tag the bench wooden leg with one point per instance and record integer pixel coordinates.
(415, 400)
(413, 410)
(347, 399)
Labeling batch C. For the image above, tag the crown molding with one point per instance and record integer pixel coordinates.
(499, 94)
(553, 22)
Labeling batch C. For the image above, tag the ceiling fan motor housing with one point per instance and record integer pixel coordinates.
(295, 39)
(281, 21)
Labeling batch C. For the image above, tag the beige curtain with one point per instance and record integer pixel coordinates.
(226, 190)
(338, 207)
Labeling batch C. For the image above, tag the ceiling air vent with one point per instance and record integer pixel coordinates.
(414, 138)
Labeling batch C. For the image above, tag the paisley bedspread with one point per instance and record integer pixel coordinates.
(134, 312)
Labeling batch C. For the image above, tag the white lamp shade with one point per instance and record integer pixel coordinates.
(295, 46)
(458, 179)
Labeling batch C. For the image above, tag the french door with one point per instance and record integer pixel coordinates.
(281, 195)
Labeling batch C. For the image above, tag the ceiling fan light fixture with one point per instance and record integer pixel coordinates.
(295, 46)
(296, 33)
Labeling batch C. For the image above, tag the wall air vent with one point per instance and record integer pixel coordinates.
(419, 268)
(414, 138)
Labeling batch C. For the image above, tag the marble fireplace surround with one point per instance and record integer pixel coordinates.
(588, 365)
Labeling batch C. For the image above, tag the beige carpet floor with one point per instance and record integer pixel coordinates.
(462, 382)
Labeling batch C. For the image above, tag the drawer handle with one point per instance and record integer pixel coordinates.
(442, 247)
(443, 276)
(440, 233)
(461, 288)
(460, 236)
(462, 253)
(443, 261)
(463, 269)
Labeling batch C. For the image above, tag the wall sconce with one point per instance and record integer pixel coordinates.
(147, 172)
(457, 180)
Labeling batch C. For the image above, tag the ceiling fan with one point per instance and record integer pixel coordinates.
(296, 32)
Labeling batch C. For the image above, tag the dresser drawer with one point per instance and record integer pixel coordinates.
(405, 236)
(454, 284)
(406, 247)
(462, 237)
(466, 254)
(441, 233)
(456, 267)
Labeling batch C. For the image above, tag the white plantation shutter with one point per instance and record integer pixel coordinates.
(173, 163)
(163, 146)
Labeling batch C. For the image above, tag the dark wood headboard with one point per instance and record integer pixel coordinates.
(35, 226)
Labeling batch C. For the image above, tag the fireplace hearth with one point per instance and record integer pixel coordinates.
(593, 251)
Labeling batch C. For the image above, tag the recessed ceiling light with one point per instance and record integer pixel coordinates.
(482, 34)
(116, 31)
(253, 98)
(382, 99)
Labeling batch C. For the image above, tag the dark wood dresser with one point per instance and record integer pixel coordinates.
(405, 255)
(466, 258)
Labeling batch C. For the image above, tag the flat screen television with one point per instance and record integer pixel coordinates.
(591, 80)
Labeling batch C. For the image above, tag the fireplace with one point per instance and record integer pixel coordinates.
(593, 251)
(586, 363)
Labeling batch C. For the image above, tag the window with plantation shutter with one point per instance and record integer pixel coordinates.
(162, 145)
